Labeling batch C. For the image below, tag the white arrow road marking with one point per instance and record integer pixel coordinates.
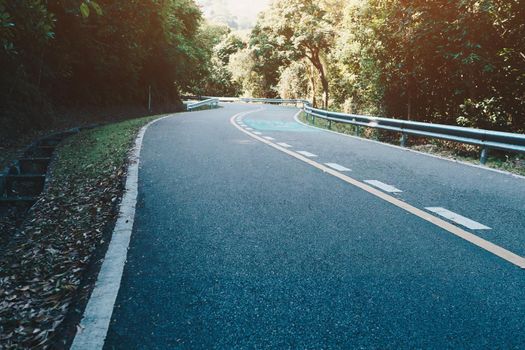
(337, 167)
(458, 219)
(383, 186)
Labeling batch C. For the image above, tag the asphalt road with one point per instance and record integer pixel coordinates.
(238, 245)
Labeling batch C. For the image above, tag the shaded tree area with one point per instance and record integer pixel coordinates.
(456, 62)
(73, 54)
(447, 61)
(220, 43)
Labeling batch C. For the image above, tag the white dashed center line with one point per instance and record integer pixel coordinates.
(269, 138)
(256, 132)
(307, 154)
(285, 145)
(337, 167)
(249, 129)
(463, 221)
(383, 186)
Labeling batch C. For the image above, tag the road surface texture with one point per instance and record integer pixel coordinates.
(239, 245)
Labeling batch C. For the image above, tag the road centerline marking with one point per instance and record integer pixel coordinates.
(284, 144)
(269, 138)
(307, 154)
(459, 219)
(488, 246)
(383, 186)
(337, 167)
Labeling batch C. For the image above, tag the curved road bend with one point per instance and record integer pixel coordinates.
(239, 245)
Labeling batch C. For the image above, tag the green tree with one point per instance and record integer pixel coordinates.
(72, 53)
(303, 29)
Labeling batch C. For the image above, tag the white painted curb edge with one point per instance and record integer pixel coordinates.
(93, 328)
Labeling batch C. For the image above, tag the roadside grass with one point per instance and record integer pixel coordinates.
(96, 152)
(469, 154)
(47, 267)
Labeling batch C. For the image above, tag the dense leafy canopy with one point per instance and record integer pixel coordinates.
(458, 62)
(105, 53)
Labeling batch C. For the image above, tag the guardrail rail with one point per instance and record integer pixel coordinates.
(212, 102)
(303, 103)
(485, 139)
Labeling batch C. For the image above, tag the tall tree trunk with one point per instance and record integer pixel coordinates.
(316, 61)
(409, 84)
(311, 73)
(324, 82)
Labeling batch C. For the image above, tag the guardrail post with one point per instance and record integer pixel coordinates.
(329, 124)
(484, 155)
(404, 139)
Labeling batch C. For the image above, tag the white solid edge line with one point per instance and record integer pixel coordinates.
(307, 154)
(337, 167)
(383, 186)
(459, 219)
(488, 246)
(94, 326)
(503, 172)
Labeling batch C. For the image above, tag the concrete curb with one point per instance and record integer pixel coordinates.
(92, 331)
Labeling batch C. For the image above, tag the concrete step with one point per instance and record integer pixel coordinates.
(23, 185)
(34, 165)
(40, 152)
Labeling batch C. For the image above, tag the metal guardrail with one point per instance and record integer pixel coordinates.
(202, 98)
(486, 139)
(249, 100)
(304, 103)
(212, 102)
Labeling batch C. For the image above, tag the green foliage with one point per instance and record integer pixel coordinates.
(294, 81)
(298, 30)
(267, 57)
(219, 45)
(84, 10)
(73, 53)
(487, 114)
(439, 61)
